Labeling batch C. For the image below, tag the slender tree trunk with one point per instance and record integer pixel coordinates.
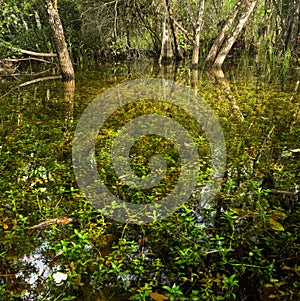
(169, 9)
(199, 25)
(166, 53)
(291, 30)
(219, 40)
(227, 45)
(58, 37)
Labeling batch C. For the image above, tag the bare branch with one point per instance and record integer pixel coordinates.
(33, 53)
(33, 81)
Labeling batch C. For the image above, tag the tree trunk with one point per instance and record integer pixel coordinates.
(230, 41)
(199, 25)
(166, 53)
(58, 37)
(169, 9)
(291, 30)
(219, 40)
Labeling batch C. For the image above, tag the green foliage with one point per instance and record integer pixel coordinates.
(245, 243)
(23, 25)
(130, 29)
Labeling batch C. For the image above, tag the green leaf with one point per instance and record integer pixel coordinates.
(278, 214)
(275, 225)
(69, 298)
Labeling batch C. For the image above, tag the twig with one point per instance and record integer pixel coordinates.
(64, 220)
(182, 29)
(284, 192)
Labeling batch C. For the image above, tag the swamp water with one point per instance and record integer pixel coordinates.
(56, 246)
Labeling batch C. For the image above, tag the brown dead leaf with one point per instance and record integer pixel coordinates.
(158, 297)
(72, 266)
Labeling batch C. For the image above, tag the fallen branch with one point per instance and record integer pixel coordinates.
(37, 53)
(275, 191)
(33, 81)
(36, 80)
(64, 220)
(33, 53)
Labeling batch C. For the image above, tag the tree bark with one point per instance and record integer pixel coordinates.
(291, 31)
(58, 37)
(166, 53)
(219, 40)
(169, 9)
(199, 25)
(227, 45)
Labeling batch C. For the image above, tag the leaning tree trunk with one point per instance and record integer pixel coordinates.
(58, 37)
(219, 40)
(227, 45)
(199, 25)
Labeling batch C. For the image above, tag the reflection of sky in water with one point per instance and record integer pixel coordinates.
(41, 271)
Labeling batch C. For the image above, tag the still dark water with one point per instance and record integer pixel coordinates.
(37, 185)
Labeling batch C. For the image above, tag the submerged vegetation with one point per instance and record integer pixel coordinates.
(244, 244)
(56, 246)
